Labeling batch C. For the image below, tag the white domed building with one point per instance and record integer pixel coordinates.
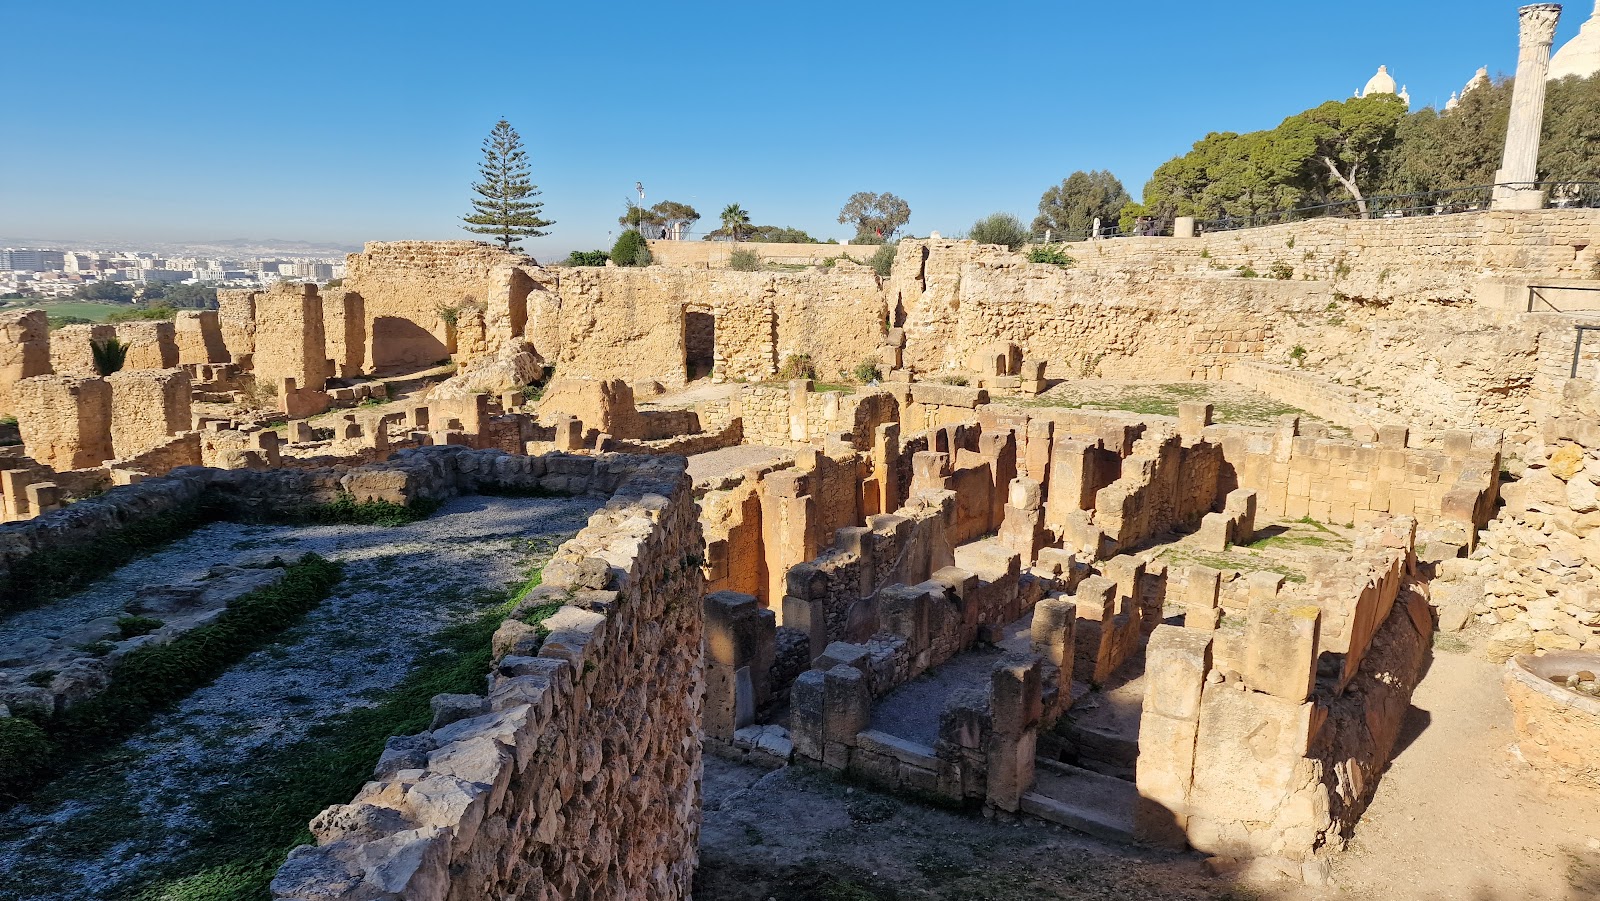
(1581, 55)
(1384, 83)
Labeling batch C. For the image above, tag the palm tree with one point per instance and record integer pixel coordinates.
(733, 217)
(109, 355)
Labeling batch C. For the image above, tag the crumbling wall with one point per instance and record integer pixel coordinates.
(345, 330)
(147, 407)
(65, 420)
(289, 340)
(24, 352)
(236, 318)
(1267, 740)
(410, 289)
(72, 348)
(151, 345)
(198, 334)
(606, 702)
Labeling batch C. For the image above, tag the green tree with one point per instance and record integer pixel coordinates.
(999, 228)
(631, 249)
(671, 216)
(1070, 208)
(505, 207)
(113, 292)
(876, 217)
(734, 220)
(1348, 136)
(109, 355)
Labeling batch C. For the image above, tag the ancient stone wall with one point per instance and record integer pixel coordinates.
(151, 345)
(65, 420)
(715, 254)
(199, 337)
(236, 317)
(24, 352)
(147, 407)
(345, 329)
(289, 337)
(72, 348)
(578, 775)
(409, 290)
(1251, 747)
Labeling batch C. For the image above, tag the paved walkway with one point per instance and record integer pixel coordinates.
(912, 711)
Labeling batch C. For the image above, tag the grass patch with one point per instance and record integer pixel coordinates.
(251, 825)
(1238, 561)
(134, 626)
(154, 678)
(1451, 644)
(347, 511)
(48, 575)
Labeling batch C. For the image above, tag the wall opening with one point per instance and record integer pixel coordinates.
(699, 343)
(521, 286)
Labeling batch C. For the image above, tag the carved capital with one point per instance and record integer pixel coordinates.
(1539, 23)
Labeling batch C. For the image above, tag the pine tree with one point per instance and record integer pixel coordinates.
(504, 206)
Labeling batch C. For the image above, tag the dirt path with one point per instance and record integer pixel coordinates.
(1457, 816)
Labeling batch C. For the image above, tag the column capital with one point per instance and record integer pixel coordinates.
(1539, 23)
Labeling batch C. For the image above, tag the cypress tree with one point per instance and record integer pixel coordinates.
(505, 207)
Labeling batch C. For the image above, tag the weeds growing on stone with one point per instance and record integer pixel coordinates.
(253, 823)
(153, 678)
(345, 510)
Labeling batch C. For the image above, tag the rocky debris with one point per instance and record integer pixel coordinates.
(513, 366)
(79, 662)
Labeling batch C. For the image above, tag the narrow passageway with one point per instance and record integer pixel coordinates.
(102, 830)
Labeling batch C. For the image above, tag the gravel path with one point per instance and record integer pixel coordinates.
(402, 585)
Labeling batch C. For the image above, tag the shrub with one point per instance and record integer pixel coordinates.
(1247, 272)
(134, 626)
(744, 260)
(346, 510)
(1298, 354)
(999, 228)
(867, 371)
(631, 249)
(109, 355)
(797, 366)
(882, 261)
(1281, 271)
(1055, 256)
(587, 258)
(153, 313)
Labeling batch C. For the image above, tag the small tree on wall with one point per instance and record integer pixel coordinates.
(505, 207)
(109, 355)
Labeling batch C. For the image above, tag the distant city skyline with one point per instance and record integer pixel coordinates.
(363, 124)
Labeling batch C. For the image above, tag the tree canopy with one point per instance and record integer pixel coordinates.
(999, 228)
(876, 217)
(735, 219)
(505, 207)
(1070, 208)
(671, 217)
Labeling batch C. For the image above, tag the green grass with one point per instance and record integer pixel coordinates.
(153, 678)
(253, 823)
(1163, 400)
(81, 309)
(347, 511)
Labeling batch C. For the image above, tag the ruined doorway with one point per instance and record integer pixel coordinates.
(699, 343)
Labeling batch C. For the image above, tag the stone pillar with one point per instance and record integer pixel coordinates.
(199, 337)
(148, 406)
(1071, 485)
(740, 645)
(787, 511)
(1183, 227)
(1022, 527)
(1519, 168)
(1176, 663)
(24, 352)
(65, 421)
(1015, 706)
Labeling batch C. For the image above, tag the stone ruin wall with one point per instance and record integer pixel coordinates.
(579, 772)
(24, 352)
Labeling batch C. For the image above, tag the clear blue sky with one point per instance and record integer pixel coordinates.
(352, 121)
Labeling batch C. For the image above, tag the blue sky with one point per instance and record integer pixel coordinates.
(345, 121)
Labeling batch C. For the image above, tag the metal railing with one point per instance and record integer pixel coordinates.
(1536, 298)
(1557, 195)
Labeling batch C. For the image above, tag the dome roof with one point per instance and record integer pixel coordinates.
(1581, 55)
(1381, 83)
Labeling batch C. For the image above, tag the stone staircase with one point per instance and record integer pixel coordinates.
(1083, 800)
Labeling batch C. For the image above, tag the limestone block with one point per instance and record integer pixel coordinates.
(72, 348)
(1193, 417)
(1053, 631)
(198, 334)
(1177, 660)
(1280, 655)
(151, 345)
(1241, 508)
(24, 352)
(147, 407)
(1247, 758)
(289, 339)
(65, 420)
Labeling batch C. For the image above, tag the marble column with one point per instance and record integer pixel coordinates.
(1519, 168)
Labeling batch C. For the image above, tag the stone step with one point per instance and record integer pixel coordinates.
(1079, 799)
(1105, 752)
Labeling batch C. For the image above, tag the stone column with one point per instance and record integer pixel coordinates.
(1519, 169)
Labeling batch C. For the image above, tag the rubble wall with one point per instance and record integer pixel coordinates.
(24, 352)
(578, 775)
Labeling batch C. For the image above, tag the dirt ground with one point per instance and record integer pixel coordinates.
(1457, 816)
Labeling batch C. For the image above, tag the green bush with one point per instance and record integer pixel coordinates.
(587, 258)
(882, 261)
(134, 626)
(1055, 256)
(867, 371)
(631, 249)
(797, 366)
(345, 510)
(1281, 271)
(744, 260)
(999, 228)
(25, 752)
(109, 355)
(154, 312)
(1247, 272)
(154, 677)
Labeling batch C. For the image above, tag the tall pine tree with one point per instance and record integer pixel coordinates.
(505, 206)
